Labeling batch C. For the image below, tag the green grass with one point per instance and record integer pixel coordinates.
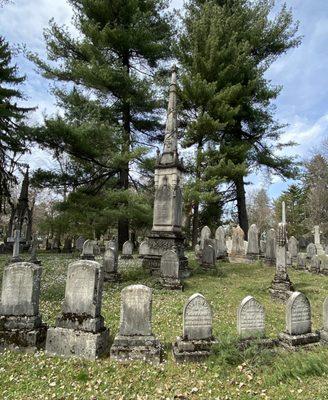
(228, 374)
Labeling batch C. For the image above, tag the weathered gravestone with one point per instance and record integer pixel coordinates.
(253, 249)
(96, 249)
(34, 246)
(324, 330)
(317, 242)
(87, 251)
(229, 244)
(127, 250)
(170, 274)
(314, 265)
(205, 234)
(197, 340)
(281, 286)
(79, 243)
(238, 247)
(144, 249)
(135, 340)
(270, 247)
(301, 261)
(250, 319)
(198, 253)
(110, 264)
(311, 251)
(293, 249)
(80, 329)
(113, 244)
(298, 322)
(16, 247)
(221, 247)
(208, 259)
(262, 248)
(21, 324)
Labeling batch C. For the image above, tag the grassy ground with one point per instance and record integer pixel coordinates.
(229, 374)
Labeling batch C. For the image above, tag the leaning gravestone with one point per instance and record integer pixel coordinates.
(298, 322)
(221, 247)
(270, 247)
(197, 340)
(253, 249)
(170, 271)
(127, 250)
(79, 243)
(208, 259)
(135, 340)
(21, 324)
(144, 249)
(250, 319)
(110, 264)
(238, 246)
(87, 251)
(80, 329)
(205, 234)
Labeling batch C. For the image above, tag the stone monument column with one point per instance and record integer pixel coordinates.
(166, 233)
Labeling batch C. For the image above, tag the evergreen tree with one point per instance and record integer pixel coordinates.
(13, 129)
(110, 103)
(225, 48)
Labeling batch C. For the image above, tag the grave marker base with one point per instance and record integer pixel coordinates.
(24, 340)
(73, 343)
(112, 277)
(295, 341)
(192, 350)
(131, 348)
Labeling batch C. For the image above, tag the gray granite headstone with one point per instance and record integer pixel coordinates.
(301, 261)
(144, 249)
(127, 249)
(205, 233)
(311, 250)
(253, 249)
(208, 256)
(79, 243)
(87, 251)
(170, 270)
(110, 262)
(298, 314)
(16, 247)
(250, 319)
(293, 248)
(221, 247)
(238, 246)
(197, 318)
(270, 247)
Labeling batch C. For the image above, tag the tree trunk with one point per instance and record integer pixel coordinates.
(123, 223)
(241, 205)
(195, 225)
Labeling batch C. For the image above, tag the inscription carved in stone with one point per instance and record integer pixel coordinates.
(197, 321)
(298, 314)
(250, 318)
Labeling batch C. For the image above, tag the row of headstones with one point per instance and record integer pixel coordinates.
(80, 329)
(313, 260)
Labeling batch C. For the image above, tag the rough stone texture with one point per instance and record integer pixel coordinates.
(83, 292)
(317, 242)
(77, 343)
(250, 319)
(238, 248)
(79, 243)
(20, 322)
(20, 289)
(298, 322)
(208, 257)
(301, 261)
(135, 340)
(127, 250)
(270, 247)
(323, 264)
(205, 234)
(311, 251)
(143, 249)
(87, 251)
(315, 264)
(324, 331)
(198, 253)
(293, 249)
(110, 264)
(281, 286)
(170, 277)
(80, 328)
(253, 249)
(112, 244)
(197, 339)
(221, 247)
(16, 247)
(262, 247)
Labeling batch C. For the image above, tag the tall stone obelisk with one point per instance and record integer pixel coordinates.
(166, 233)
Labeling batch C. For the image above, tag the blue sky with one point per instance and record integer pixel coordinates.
(303, 103)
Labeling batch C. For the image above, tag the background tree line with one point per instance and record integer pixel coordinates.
(111, 81)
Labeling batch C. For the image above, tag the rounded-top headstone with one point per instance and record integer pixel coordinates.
(238, 246)
(205, 233)
(298, 314)
(293, 246)
(253, 240)
(197, 318)
(21, 289)
(144, 248)
(136, 305)
(88, 247)
(110, 260)
(270, 246)
(311, 250)
(127, 248)
(83, 292)
(250, 318)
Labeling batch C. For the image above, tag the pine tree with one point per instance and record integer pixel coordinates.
(13, 129)
(225, 48)
(111, 107)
